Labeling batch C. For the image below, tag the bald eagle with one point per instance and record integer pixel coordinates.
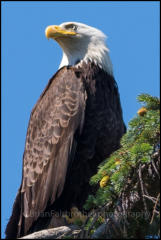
(76, 123)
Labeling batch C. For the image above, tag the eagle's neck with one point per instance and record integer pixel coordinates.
(96, 52)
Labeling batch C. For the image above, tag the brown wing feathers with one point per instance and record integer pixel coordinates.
(53, 122)
(62, 149)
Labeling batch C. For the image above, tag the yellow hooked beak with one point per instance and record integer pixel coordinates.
(56, 31)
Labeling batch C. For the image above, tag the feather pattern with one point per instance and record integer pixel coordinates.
(76, 123)
(52, 125)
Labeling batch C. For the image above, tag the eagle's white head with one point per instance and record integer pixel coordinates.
(81, 42)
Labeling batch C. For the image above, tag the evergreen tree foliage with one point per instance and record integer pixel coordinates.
(133, 169)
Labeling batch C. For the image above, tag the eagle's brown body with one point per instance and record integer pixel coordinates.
(76, 124)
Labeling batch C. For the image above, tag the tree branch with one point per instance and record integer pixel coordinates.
(53, 233)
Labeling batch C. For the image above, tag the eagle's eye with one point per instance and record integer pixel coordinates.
(71, 26)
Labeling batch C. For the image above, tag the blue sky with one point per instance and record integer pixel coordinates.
(29, 60)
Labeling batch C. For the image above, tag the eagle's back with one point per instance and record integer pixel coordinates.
(76, 124)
